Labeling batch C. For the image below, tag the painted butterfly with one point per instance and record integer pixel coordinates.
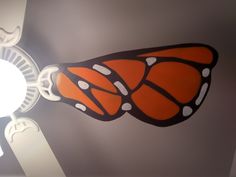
(161, 86)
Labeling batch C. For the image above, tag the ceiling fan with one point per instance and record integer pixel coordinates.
(162, 86)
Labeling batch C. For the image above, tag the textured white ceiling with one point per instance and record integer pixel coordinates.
(59, 31)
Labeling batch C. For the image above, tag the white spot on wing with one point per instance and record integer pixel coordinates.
(202, 94)
(187, 110)
(102, 69)
(126, 107)
(121, 87)
(80, 106)
(205, 72)
(151, 60)
(83, 85)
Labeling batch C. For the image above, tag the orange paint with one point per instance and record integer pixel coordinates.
(110, 102)
(180, 80)
(93, 77)
(197, 54)
(131, 72)
(154, 104)
(69, 90)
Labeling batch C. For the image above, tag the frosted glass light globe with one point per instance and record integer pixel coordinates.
(13, 88)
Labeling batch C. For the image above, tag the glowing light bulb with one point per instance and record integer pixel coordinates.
(13, 88)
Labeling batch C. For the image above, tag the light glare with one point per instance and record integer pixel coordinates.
(12, 88)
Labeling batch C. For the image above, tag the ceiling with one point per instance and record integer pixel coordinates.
(57, 31)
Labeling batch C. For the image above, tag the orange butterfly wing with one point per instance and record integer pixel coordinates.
(161, 86)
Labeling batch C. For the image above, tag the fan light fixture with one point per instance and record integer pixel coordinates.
(13, 88)
(19, 93)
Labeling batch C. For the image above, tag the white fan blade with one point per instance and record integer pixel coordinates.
(233, 168)
(12, 14)
(1, 151)
(32, 149)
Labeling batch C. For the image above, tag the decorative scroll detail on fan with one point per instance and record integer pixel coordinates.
(8, 39)
(19, 126)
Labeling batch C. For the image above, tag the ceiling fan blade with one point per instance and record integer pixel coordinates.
(1, 151)
(161, 86)
(31, 149)
(11, 25)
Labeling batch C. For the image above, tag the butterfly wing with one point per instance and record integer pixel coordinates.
(162, 86)
(176, 84)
